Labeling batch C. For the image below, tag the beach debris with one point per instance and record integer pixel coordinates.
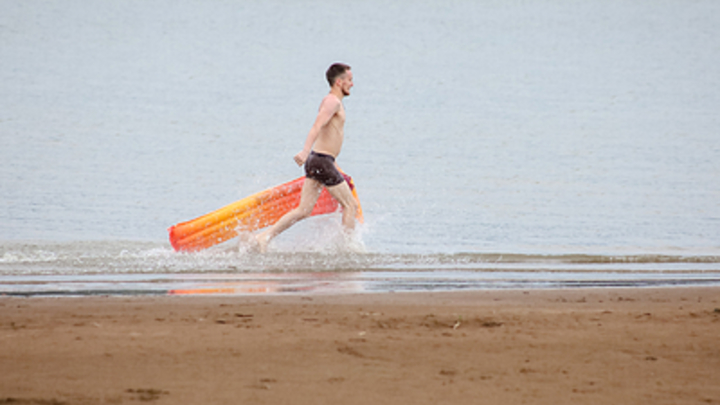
(263, 384)
(15, 326)
(19, 401)
(350, 351)
(432, 322)
(147, 394)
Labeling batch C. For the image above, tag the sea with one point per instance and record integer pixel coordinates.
(494, 144)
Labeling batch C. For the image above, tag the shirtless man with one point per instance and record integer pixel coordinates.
(322, 146)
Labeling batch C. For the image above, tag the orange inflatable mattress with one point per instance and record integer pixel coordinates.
(250, 214)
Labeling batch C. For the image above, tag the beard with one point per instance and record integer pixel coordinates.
(346, 92)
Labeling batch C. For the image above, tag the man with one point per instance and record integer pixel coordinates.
(322, 146)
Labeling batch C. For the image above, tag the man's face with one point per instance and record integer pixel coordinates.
(346, 82)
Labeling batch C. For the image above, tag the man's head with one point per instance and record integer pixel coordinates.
(339, 74)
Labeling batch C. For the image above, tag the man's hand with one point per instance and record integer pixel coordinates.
(301, 157)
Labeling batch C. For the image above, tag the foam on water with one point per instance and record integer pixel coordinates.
(123, 257)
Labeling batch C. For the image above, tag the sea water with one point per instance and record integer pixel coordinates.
(529, 143)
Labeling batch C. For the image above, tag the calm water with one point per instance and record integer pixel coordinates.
(484, 136)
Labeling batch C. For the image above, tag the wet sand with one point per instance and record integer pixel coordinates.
(593, 346)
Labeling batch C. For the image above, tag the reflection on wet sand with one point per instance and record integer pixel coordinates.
(339, 283)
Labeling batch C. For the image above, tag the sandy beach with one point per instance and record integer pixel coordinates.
(594, 346)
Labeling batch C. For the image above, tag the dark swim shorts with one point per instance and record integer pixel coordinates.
(321, 167)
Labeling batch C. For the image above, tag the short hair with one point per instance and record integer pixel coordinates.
(334, 71)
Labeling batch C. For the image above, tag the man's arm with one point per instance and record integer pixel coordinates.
(328, 108)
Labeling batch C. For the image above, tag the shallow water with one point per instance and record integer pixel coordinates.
(475, 130)
(140, 268)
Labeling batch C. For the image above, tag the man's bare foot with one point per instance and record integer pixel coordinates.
(247, 242)
(352, 242)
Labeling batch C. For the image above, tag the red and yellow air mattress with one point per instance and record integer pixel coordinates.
(250, 214)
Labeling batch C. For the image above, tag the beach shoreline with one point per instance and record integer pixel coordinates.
(599, 345)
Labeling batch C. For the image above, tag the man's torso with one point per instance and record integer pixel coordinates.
(330, 138)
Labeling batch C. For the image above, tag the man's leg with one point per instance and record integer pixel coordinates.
(308, 197)
(342, 193)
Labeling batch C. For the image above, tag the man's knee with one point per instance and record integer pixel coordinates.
(344, 196)
(303, 212)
